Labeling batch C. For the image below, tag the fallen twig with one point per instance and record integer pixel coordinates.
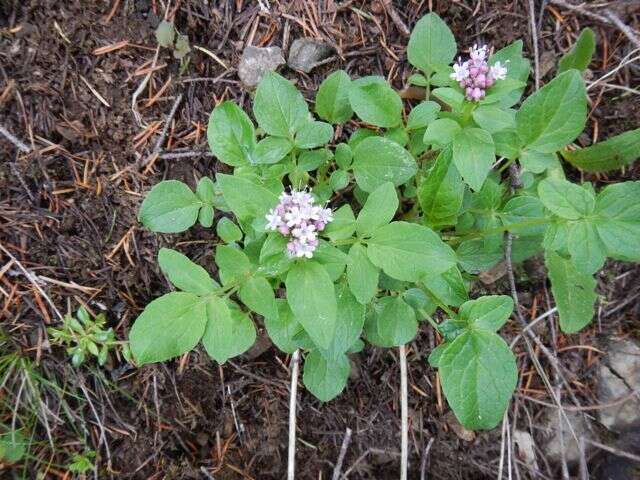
(18, 143)
(342, 454)
(404, 414)
(163, 134)
(295, 369)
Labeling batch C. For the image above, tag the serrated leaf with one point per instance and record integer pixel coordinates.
(407, 251)
(479, 375)
(378, 210)
(431, 44)
(473, 155)
(332, 100)
(554, 115)
(378, 160)
(580, 55)
(168, 327)
(228, 333)
(185, 274)
(170, 207)
(573, 292)
(312, 299)
(325, 379)
(566, 199)
(375, 102)
(279, 107)
(231, 134)
(362, 275)
(613, 153)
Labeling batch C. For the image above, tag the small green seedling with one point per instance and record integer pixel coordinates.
(83, 336)
(332, 241)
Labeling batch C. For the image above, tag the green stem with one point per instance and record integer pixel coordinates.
(429, 318)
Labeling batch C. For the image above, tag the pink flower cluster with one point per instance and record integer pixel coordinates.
(299, 219)
(475, 75)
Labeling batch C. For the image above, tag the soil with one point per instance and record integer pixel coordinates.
(68, 212)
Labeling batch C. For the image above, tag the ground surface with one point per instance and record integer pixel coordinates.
(68, 213)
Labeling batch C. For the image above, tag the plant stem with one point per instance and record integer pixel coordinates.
(404, 408)
(295, 368)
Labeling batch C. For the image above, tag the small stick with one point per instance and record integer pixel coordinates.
(343, 453)
(633, 38)
(18, 143)
(163, 134)
(425, 460)
(291, 463)
(404, 415)
(534, 40)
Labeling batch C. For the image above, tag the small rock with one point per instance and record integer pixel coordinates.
(257, 61)
(556, 438)
(617, 375)
(526, 448)
(305, 53)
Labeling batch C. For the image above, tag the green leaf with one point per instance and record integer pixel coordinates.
(312, 299)
(206, 190)
(165, 34)
(493, 118)
(618, 225)
(245, 198)
(229, 332)
(332, 100)
(537, 162)
(448, 287)
(231, 134)
(473, 155)
(233, 264)
(441, 193)
(170, 207)
(338, 180)
(349, 323)
(507, 143)
(168, 327)
(554, 115)
(431, 44)
(279, 107)
(476, 256)
(228, 231)
(587, 250)
(257, 294)
(397, 324)
(313, 135)
(283, 327)
(441, 132)
(205, 216)
(375, 102)
(343, 224)
(378, 210)
(580, 55)
(362, 275)
(13, 446)
(331, 258)
(185, 274)
(325, 379)
(479, 375)
(519, 211)
(312, 159)
(566, 199)
(422, 115)
(378, 160)
(517, 70)
(271, 150)
(614, 153)
(573, 292)
(488, 313)
(343, 155)
(181, 48)
(450, 96)
(407, 251)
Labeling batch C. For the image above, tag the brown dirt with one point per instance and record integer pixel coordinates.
(68, 211)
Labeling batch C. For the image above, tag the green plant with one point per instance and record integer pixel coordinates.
(83, 336)
(419, 204)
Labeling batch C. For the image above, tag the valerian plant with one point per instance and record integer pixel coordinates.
(331, 243)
